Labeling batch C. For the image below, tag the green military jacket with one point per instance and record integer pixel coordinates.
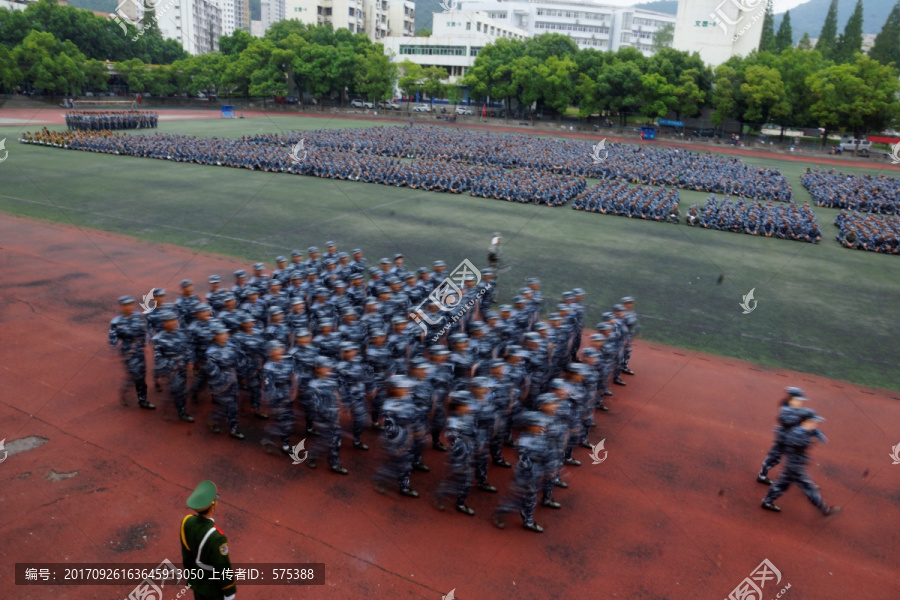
(204, 547)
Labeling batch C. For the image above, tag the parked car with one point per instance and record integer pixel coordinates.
(462, 110)
(388, 105)
(497, 113)
(704, 133)
(360, 103)
(285, 100)
(861, 146)
(421, 108)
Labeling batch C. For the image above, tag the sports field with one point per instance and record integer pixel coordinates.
(822, 309)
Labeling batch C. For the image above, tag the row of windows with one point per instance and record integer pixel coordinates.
(590, 42)
(497, 15)
(570, 27)
(572, 14)
(433, 50)
(649, 22)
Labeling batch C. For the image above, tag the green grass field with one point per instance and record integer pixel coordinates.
(821, 308)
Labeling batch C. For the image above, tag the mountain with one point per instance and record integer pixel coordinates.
(670, 7)
(810, 17)
(425, 10)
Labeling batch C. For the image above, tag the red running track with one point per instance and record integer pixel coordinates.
(672, 513)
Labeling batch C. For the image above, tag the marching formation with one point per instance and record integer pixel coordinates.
(785, 221)
(863, 193)
(111, 120)
(417, 355)
(868, 232)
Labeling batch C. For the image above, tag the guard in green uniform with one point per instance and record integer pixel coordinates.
(204, 547)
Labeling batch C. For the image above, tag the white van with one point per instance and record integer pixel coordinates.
(851, 144)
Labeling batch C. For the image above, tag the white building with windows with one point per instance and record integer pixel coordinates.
(456, 38)
(402, 18)
(589, 24)
(718, 29)
(227, 11)
(195, 24)
(348, 14)
(271, 11)
(375, 13)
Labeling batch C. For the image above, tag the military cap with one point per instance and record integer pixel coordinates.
(218, 327)
(377, 333)
(228, 296)
(608, 316)
(418, 363)
(532, 280)
(470, 277)
(513, 348)
(391, 280)
(497, 362)
(330, 261)
(554, 316)
(253, 292)
(374, 271)
(295, 253)
(618, 308)
(604, 327)
(476, 324)
(598, 337)
(323, 362)
(273, 344)
(398, 319)
(568, 296)
(384, 261)
(458, 338)
(321, 292)
(356, 276)
(340, 284)
(547, 398)
(123, 300)
(532, 336)
(526, 290)
(201, 307)
(280, 259)
(410, 275)
(381, 289)
(329, 244)
(240, 273)
(248, 319)
(521, 353)
(505, 308)
(274, 282)
(491, 314)
(487, 271)
(563, 307)
(578, 292)
(275, 310)
(794, 392)
(396, 256)
(438, 263)
(326, 325)
(258, 266)
(167, 315)
(297, 300)
(400, 381)
(348, 311)
(518, 300)
(542, 326)
(440, 351)
(461, 397)
(203, 496)
(532, 418)
(297, 274)
(626, 300)
(481, 382)
(215, 279)
(422, 270)
(159, 292)
(590, 353)
(576, 368)
(348, 346)
(186, 282)
(302, 332)
(356, 251)
(342, 255)
(557, 384)
(371, 300)
(312, 249)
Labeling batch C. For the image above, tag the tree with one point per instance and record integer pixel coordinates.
(767, 38)
(376, 74)
(851, 41)
(828, 36)
(96, 75)
(492, 74)
(688, 94)
(658, 95)
(135, 74)
(10, 75)
(433, 82)
(724, 101)
(662, 37)
(805, 43)
(410, 82)
(619, 87)
(764, 93)
(796, 66)
(556, 77)
(237, 42)
(886, 48)
(544, 46)
(860, 96)
(785, 37)
(423, 32)
(49, 65)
